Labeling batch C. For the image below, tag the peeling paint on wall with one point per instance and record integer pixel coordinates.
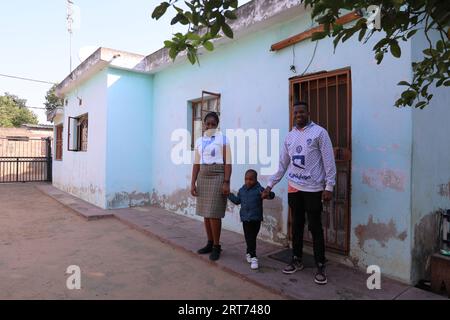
(91, 193)
(426, 242)
(384, 178)
(444, 190)
(380, 232)
(127, 199)
(180, 201)
(273, 221)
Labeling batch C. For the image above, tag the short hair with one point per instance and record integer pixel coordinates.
(253, 172)
(301, 104)
(212, 115)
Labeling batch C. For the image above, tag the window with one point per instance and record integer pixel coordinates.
(59, 142)
(78, 133)
(210, 102)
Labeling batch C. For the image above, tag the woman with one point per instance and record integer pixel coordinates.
(211, 182)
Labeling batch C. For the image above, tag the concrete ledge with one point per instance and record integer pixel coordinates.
(82, 208)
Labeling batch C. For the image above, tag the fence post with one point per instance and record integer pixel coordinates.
(17, 169)
(49, 160)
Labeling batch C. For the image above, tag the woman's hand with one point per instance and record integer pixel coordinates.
(194, 190)
(226, 188)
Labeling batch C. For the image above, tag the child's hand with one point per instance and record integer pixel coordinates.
(194, 191)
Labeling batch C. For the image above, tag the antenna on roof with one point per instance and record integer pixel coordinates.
(73, 23)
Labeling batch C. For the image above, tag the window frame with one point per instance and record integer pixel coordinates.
(79, 144)
(205, 105)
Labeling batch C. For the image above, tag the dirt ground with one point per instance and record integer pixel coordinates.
(40, 238)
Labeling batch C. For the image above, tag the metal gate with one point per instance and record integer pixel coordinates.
(329, 98)
(24, 159)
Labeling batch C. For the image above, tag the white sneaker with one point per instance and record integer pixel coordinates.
(248, 257)
(254, 263)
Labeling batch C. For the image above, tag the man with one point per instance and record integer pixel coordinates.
(307, 155)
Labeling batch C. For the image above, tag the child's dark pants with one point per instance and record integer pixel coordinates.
(311, 203)
(251, 230)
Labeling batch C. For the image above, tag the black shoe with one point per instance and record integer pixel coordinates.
(295, 265)
(215, 254)
(206, 249)
(321, 276)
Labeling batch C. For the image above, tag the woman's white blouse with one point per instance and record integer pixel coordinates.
(210, 149)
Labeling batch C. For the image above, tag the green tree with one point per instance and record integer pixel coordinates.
(14, 112)
(400, 21)
(51, 100)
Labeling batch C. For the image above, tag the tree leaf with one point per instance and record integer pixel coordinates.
(379, 57)
(208, 45)
(411, 33)
(362, 33)
(318, 35)
(173, 53)
(230, 15)
(160, 10)
(395, 49)
(227, 30)
(215, 29)
(192, 57)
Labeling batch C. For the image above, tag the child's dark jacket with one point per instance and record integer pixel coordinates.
(251, 202)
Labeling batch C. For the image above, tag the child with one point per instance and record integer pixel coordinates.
(249, 197)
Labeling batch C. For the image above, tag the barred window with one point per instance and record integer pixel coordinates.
(59, 142)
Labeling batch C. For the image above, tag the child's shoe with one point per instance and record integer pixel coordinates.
(248, 257)
(254, 263)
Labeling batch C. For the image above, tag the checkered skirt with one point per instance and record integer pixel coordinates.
(211, 203)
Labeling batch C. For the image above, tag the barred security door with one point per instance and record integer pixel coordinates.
(328, 95)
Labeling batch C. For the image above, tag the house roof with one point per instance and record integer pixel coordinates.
(254, 15)
(37, 126)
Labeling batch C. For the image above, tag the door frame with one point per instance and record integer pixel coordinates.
(337, 72)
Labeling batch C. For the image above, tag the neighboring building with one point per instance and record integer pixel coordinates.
(28, 140)
(393, 168)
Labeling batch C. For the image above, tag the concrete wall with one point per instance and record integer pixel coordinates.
(83, 173)
(431, 170)
(129, 143)
(255, 94)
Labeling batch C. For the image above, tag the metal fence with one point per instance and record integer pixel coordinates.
(24, 159)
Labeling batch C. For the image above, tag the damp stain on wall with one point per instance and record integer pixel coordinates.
(384, 178)
(426, 243)
(378, 231)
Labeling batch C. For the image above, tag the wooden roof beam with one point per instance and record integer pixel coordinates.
(349, 17)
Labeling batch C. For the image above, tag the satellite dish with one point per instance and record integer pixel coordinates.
(85, 52)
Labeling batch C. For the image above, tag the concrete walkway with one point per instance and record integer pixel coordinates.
(187, 234)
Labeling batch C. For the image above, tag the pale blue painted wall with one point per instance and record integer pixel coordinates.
(129, 143)
(431, 168)
(255, 94)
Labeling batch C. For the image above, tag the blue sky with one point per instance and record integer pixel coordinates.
(35, 41)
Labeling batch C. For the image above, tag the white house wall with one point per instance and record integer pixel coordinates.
(83, 173)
